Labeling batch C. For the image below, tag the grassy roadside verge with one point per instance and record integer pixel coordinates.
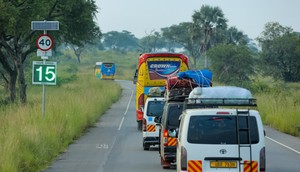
(29, 141)
(281, 111)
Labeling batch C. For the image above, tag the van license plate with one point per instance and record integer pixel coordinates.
(222, 164)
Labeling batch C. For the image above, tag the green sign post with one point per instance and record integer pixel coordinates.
(44, 73)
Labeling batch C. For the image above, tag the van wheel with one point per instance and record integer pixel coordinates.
(164, 163)
(146, 147)
(159, 141)
(139, 125)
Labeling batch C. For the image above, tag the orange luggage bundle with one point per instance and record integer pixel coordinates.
(178, 89)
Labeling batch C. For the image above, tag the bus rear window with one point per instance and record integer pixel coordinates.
(108, 65)
(221, 129)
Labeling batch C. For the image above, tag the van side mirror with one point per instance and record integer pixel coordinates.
(142, 109)
(157, 119)
(135, 76)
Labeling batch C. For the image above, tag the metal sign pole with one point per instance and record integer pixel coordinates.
(44, 98)
(44, 87)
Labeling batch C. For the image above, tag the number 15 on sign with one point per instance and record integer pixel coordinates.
(44, 72)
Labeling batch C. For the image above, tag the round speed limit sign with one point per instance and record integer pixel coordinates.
(44, 42)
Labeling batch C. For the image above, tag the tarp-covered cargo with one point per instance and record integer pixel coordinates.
(203, 78)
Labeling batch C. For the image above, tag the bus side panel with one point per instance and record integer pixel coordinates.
(98, 72)
(139, 93)
(142, 74)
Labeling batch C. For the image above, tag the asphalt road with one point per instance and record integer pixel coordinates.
(115, 145)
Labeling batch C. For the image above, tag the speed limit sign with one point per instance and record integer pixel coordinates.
(44, 42)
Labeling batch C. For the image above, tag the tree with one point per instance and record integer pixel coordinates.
(208, 20)
(231, 64)
(182, 34)
(236, 37)
(152, 42)
(120, 40)
(78, 51)
(280, 52)
(17, 41)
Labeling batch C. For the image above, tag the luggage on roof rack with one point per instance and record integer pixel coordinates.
(202, 78)
(178, 89)
(220, 92)
(173, 82)
(155, 92)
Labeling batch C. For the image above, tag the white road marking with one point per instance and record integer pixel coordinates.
(283, 145)
(128, 103)
(114, 141)
(121, 123)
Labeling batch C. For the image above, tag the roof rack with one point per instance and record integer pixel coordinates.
(176, 99)
(155, 96)
(192, 103)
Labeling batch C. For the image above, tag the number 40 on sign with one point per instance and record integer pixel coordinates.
(44, 42)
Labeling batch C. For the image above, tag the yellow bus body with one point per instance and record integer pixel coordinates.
(153, 70)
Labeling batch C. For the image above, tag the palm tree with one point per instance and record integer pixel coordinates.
(207, 20)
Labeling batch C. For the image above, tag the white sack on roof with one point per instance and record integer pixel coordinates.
(154, 91)
(220, 92)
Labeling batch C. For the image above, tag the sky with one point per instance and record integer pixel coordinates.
(142, 17)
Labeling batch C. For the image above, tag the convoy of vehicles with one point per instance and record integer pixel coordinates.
(201, 134)
(177, 90)
(152, 71)
(105, 70)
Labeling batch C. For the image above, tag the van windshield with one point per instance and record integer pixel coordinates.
(221, 129)
(155, 108)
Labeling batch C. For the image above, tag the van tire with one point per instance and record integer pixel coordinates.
(146, 147)
(164, 164)
(159, 141)
(139, 125)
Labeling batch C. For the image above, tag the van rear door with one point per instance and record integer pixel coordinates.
(154, 109)
(213, 142)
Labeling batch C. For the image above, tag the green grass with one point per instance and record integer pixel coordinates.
(29, 141)
(281, 110)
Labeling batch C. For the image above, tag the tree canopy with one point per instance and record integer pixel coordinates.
(280, 52)
(232, 64)
(120, 40)
(17, 40)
